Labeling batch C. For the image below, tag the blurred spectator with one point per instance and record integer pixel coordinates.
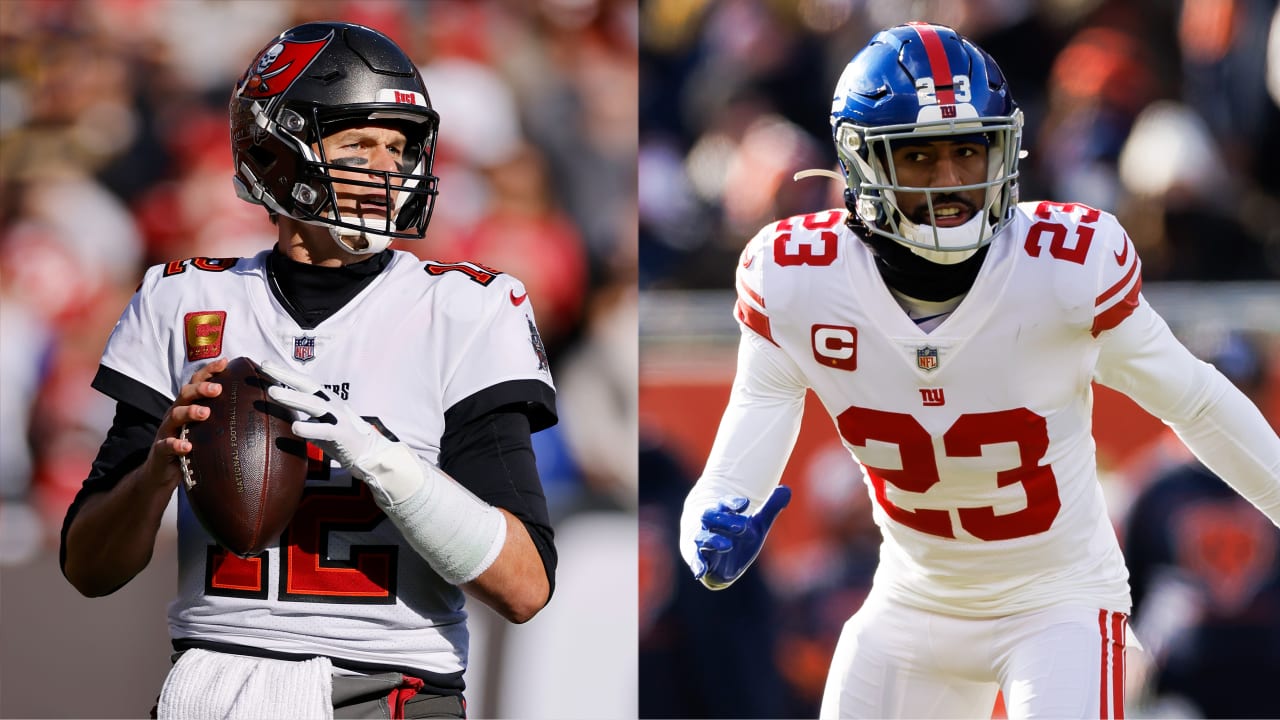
(600, 397)
(521, 230)
(1098, 84)
(1223, 48)
(1178, 175)
(729, 89)
(1205, 575)
(25, 345)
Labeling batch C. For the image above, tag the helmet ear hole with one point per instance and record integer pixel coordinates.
(261, 157)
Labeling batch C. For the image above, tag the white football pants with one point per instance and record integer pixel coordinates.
(895, 661)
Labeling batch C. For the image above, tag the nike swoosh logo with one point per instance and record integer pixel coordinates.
(747, 263)
(518, 299)
(1122, 256)
(927, 319)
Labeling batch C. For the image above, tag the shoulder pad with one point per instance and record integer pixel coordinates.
(179, 277)
(1108, 263)
(781, 250)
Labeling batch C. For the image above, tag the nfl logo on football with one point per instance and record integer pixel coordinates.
(927, 358)
(304, 349)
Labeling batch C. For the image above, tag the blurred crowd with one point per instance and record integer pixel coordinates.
(1164, 112)
(115, 155)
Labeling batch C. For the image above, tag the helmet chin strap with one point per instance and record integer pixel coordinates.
(967, 234)
(374, 242)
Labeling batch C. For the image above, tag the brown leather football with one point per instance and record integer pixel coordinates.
(246, 469)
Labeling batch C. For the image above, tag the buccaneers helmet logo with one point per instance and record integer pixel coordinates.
(279, 65)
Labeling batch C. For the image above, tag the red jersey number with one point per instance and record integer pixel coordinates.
(811, 250)
(477, 272)
(965, 438)
(1057, 232)
(177, 267)
(307, 572)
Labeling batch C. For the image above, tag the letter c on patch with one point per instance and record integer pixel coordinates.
(835, 346)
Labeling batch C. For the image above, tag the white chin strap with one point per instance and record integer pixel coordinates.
(937, 239)
(966, 236)
(374, 241)
(351, 240)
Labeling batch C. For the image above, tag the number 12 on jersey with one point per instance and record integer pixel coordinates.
(307, 574)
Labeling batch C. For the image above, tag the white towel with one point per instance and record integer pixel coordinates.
(206, 685)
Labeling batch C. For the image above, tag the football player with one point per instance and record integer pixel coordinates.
(404, 375)
(952, 333)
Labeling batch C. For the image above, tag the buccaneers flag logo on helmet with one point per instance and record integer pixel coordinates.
(279, 66)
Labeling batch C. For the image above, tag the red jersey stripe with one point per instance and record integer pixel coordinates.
(1111, 627)
(1117, 665)
(754, 319)
(1102, 681)
(1111, 291)
(1116, 314)
(756, 297)
(939, 66)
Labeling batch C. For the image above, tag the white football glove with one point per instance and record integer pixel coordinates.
(457, 533)
(389, 468)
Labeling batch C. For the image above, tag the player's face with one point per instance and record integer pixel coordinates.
(941, 163)
(368, 150)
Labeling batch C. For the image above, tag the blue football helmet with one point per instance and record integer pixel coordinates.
(925, 81)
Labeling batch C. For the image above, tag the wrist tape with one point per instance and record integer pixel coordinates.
(457, 533)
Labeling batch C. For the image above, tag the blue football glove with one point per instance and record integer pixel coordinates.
(730, 541)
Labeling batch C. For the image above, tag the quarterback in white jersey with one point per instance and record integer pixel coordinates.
(952, 335)
(416, 383)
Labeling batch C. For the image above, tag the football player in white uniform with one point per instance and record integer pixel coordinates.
(404, 375)
(952, 334)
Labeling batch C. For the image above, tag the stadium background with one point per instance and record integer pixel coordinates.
(114, 155)
(1161, 111)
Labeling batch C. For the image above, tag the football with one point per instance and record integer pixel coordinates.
(246, 470)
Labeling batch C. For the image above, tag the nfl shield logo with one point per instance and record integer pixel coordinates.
(304, 349)
(927, 358)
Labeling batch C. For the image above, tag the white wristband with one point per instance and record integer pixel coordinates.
(457, 533)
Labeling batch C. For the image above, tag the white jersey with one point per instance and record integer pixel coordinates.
(974, 439)
(418, 340)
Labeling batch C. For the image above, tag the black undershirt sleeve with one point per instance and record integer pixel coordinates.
(492, 456)
(125, 448)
